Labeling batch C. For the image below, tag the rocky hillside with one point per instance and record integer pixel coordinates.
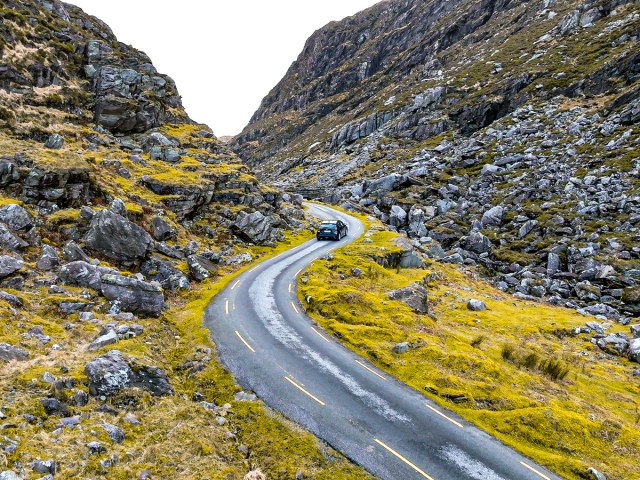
(118, 218)
(498, 134)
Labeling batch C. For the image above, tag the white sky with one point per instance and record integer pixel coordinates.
(225, 56)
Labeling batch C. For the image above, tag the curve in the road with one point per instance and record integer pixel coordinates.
(272, 348)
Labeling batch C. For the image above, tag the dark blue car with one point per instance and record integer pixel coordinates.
(332, 230)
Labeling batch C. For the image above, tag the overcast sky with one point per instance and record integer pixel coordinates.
(225, 56)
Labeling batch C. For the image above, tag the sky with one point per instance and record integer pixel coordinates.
(225, 56)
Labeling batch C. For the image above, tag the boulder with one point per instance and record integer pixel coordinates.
(493, 216)
(15, 217)
(402, 347)
(631, 299)
(83, 274)
(614, 343)
(115, 434)
(527, 228)
(161, 230)
(116, 237)
(9, 475)
(164, 272)
(414, 296)
(110, 373)
(476, 305)
(595, 474)
(398, 216)
(635, 330)
(133, 295)
(197, 271)
(72, 252)
(9, 353)
(477, 242)
(49, 258)
(634, 350)
(55, 142)
(109, 338)
(254, 227)
(9, 265)
(9, 241)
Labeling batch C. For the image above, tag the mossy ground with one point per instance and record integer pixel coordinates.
(588, 419)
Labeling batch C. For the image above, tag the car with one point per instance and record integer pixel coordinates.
(332, 230)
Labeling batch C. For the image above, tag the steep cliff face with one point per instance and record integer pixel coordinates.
(495, 133)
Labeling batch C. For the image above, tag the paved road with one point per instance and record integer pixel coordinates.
(271, 347)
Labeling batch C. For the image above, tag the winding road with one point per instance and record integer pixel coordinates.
(271, 347)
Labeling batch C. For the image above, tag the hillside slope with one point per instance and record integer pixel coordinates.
(119, 219)
(502, 134)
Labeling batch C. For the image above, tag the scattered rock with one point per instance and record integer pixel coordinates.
(15, 217)
(476, 305)
(49, 258)
(161, 230)
(116, 237)
(109, 338)
(115, 434)
(402, 347)
(414, 296)
(133, 295)
(55, 142)
(10, 353)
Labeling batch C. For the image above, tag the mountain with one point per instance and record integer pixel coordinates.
(499, 134)
(119, 219)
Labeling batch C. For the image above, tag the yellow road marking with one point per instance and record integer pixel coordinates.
(297, 273)
(542, 475)
(370, 369)
(320, 335)
(226, 307)
(389, 449)
(235, 285)
(245, 342)
(289, 288)
(253, 268)
(444, 416)
(299, 387)
(294, 307)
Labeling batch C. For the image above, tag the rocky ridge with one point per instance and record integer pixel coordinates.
(116, 211)
(498, 135)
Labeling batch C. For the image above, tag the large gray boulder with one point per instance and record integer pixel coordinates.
(161, 230)
(477, 242)
(398, 216)
(49, 258)
(9, 241)
(164, 272)
(110, 373)
(634, 350)
(133, 295)
(414, 296)
(254, 227)
(9, 265)
(493, 216)
(9, 353)
(116, 237)
(83, 274)
(15, 217)
(614, 343)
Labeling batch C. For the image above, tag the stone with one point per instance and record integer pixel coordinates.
(9, 475)
(553, 263)
(108, 338)
(477, 242)
(115, 434)
(112, 372)
(11, 299)
(72, 252)
(614, 343)
(95, 448)
(402, 347)
(634, 350)
(156, 269)
(9, 241)
(476, 305)
(254, 227)
(397, 217)
(118, 207)
(414, 296)
(527, 228)
(44, 466)
(255, 475)
(80, 398)
(15, 217)
(54, 406)
(83, 274)
(197, 271)
(635, 330)
(9, 265)
(630, 298)
(49, 259)
(161, 230)
(54, 142)
(133, 295)
(116, 237)
(10, 353)
(493, 216)
(595, 474)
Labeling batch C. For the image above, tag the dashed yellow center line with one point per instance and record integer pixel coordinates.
(294, 307)
(301, 388)
(370, 369)
(245, 342)
(254, 268)
(444, 416)
(297, 273)
(226, 307)
(289, 288)
(391, 450)
(235, 285)
(320, 335)
(540, 474)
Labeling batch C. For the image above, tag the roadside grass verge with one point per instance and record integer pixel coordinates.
(514, 370)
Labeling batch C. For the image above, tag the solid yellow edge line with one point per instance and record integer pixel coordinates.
(386, 447)
(304, 391)
(245, 342)
(444, 416)
(371, 370)
(320, 335)
(542, 475)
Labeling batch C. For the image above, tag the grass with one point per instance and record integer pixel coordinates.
(508, 361)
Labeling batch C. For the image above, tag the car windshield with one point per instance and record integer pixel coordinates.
(328, 226)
